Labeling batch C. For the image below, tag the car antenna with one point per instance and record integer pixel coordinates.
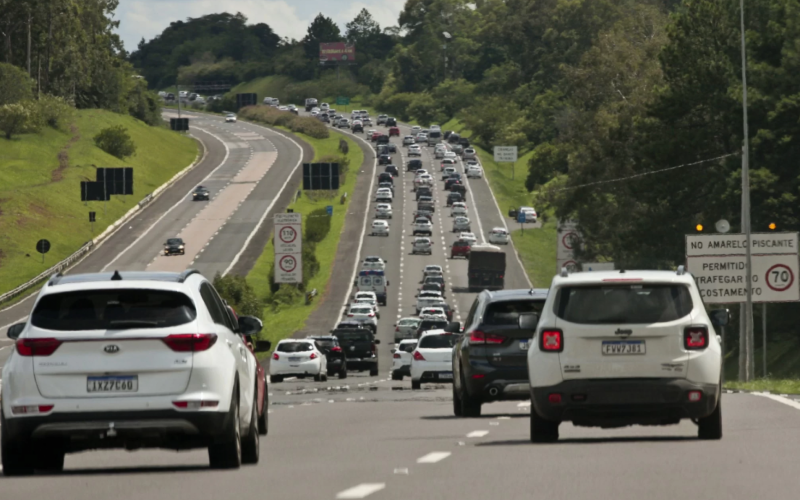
(116, 276)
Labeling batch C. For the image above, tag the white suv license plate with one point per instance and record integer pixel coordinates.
(125, 383)
(623, 347)
(445, 376)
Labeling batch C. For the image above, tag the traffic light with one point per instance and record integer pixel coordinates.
(772, 226)
(699, 228)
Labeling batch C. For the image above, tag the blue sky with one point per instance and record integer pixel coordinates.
(147, 18)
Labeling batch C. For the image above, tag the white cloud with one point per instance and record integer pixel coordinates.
(288, 18)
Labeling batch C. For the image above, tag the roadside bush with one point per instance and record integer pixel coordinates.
(15, 85)
(284, 296)
(54, 112)
(343, 147)
(19, 118)
(115, 141)
(310, 262)
(344, 165)
(239, 294)
(144, 104)
(318, 225)
(311, 127)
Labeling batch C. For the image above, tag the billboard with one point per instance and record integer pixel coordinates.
(337, 52)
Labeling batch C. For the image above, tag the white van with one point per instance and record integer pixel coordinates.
(373, 281)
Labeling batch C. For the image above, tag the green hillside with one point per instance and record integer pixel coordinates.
(40, 177)
(268, 86)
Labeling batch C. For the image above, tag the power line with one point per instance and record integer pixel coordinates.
(643, 174)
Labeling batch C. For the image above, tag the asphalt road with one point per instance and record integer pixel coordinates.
(370, 437)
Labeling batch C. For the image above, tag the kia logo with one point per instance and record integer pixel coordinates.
(111, 349)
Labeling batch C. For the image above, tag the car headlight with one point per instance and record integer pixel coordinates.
(181, 247)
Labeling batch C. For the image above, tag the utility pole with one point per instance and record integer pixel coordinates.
(30, 19)
(178, 89)
(746, 339)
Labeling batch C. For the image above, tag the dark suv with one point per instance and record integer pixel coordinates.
(359, 346)
(490, 359)
(430, 324)
(337, 362)
(413, 165)
(424, 191)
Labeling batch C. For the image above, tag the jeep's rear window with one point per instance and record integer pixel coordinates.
(116, 309)
(623, 304)
(437, 342)
(431, 325)
(507, 313)
(294, 347)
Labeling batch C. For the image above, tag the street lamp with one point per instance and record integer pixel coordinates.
(447, 36)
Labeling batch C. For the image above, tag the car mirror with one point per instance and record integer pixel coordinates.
(14, 331)
(719, 317)
(528, 321)
(453, 327)
(262, 346)
(250, 325)
(376, 341)
(393, 351)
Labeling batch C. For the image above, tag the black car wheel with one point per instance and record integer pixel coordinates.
(456, 402)
(543, 431)
(250, 443)
(470, 407)
(416, 385)
(373, 371)
(227, 454)
(710, 427)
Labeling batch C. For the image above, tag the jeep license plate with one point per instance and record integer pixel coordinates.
(623, 347)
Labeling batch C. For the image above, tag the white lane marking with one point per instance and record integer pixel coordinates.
(363, 490)
(433, 457)
(274, 200)
(788, 402)
(477, 434)
(180, 201)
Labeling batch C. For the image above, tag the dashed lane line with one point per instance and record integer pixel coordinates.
(433, 457)
(477, 434)
(363, 490)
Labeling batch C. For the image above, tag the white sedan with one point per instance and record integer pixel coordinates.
(363, 314)
(297, 358)
(458, 208)
(373, 263)
(408, 140)
(474, 172)
(431, 361)
(406, 328)
(450, 155)
(498, 235)
(432, 269)
(230, 118)
(401, 359)
(422, 245)
(414, 150)
(379, 228)
(461, 224)
(468, 237)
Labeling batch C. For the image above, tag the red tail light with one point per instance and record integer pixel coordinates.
(371, 315)
(695, 396)
(37, 347)
(275, 356)
(554, 398)
(313, 356)
(695, 338)
(349, 315)
(418, 356)
(551, 340)
(479, 337)
(190, 342)
(336, 348)
(397, 328)
(396, 355)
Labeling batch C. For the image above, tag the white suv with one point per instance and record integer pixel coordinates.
(129, 360)
(620, 348)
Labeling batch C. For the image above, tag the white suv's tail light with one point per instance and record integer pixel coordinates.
(37, 347)
(195, 405)
(31, 410)
(695, 338)
(190, 342)
(551, 340)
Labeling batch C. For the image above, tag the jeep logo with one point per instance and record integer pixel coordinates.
(111, 349)
(620, 331)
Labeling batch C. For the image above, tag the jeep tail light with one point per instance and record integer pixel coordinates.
(551, 340)
(190, 342)
(37, 347)
(275, 356)
(418, 356)
(695, 338)
(479, 337)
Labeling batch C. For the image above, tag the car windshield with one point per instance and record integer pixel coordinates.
(174, 241)
(360, 310)
(431, 325)
(294, 347)
(437, 341)
(623, 304)
(354, 336)
(408, 322)
(115, 309)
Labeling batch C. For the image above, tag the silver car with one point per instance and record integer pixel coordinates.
(461, 224)
(406, 328)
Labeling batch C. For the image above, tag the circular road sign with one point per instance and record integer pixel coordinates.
(571, 266)
(43, 246)
(288, 263)
(780, 277)
(567, 240)
(288, 234)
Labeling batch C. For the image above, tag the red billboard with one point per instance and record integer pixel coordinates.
(337, 52)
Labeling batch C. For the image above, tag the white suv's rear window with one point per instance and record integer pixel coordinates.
(623, 304)
(115, 309)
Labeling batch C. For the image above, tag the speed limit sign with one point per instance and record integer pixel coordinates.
(779, 277)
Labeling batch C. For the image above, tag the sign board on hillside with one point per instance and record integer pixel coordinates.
(505, 154)
(288, 242)
(568, 240)
(717, 261)
(342, 101)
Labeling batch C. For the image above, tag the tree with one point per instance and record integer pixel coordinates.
(15, 84)
(322, 30)
(115, 141)
(362, 28)
(15, 118)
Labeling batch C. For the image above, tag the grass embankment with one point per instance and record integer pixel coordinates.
(292, 318)
(40, 177)
(268, 86)
(783, 362)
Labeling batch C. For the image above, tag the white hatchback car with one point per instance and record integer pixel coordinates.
(474, 172)
(408, 140)
(383, 211)
(468, 237)
(379, 228)
(614, 349)
(498, 236)
(447, 172)
(364, 314)
(373, 263)
(432, 269)
(461, 224)
(422, 245)
(436, 313)
(384, 195)
(414, 150)
(450, 155)
(469, 153)
(432, 361)
(298, 358)
(114, 360)
(230, 118)
(401, 359)
(458, 208)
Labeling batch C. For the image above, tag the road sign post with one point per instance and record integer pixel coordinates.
(288, 242)
(506, 154)
(568, 239)
(42, 246)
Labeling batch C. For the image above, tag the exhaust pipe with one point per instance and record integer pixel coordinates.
(494, 391)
